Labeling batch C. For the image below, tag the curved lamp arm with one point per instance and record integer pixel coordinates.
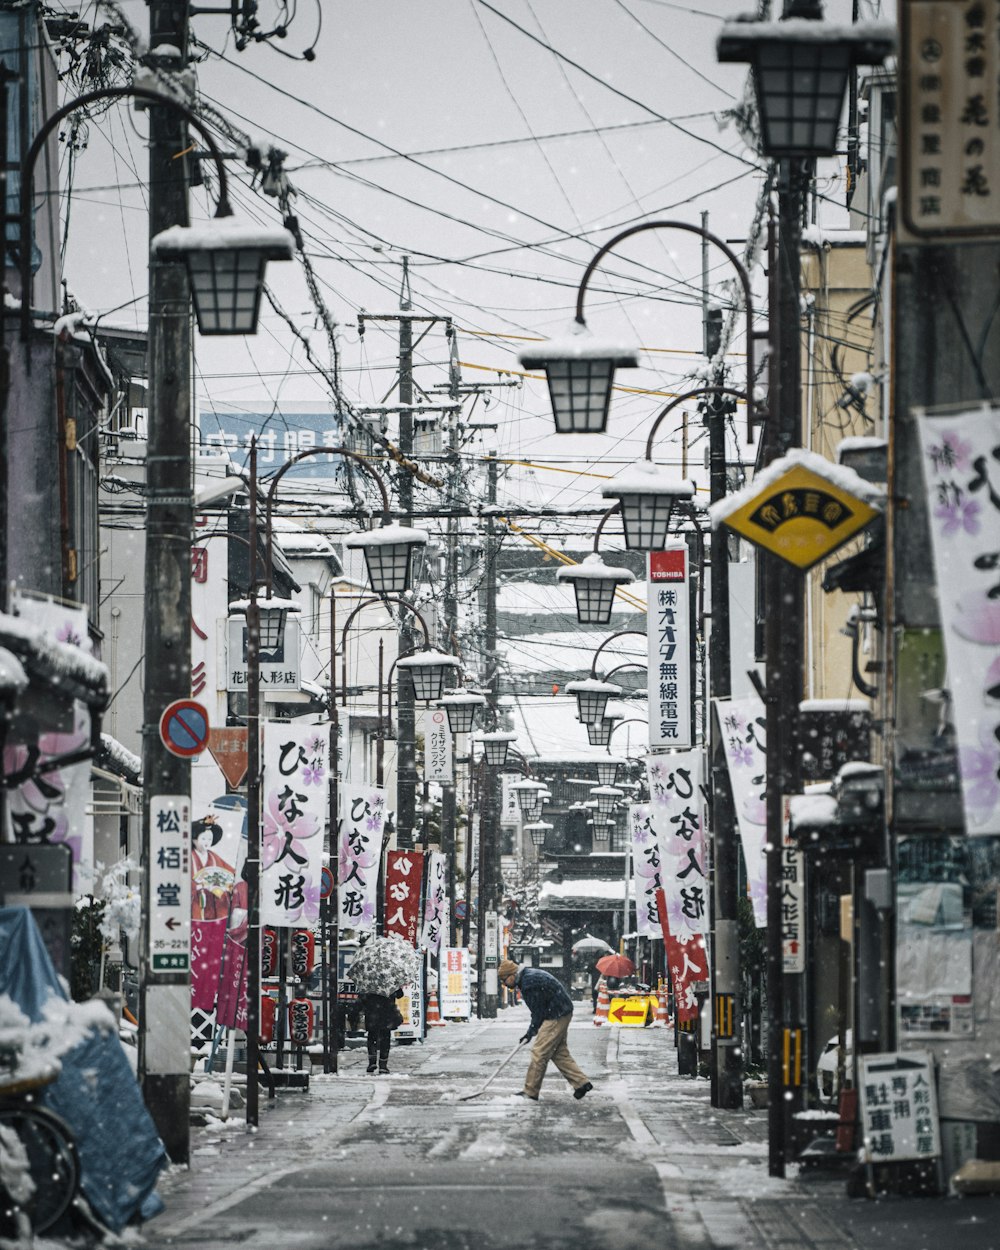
(615, 507)
(622, 633)
(222, 209)
(727, 251)
(367, 603)
(680, 399)
(315, 451)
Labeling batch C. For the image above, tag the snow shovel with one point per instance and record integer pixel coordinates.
(503, 1064)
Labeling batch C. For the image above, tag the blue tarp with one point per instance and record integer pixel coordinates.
(120, 1151)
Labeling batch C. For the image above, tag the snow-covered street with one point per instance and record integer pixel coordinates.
(644, 1160)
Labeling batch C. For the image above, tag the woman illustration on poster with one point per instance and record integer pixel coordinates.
(212, 878)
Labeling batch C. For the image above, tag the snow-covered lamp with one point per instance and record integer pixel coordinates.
(496, 747)
(600, 829)
(428, 671)
(272, 616)
(461, 708)
(537, 831)
(580, 369)
(594, 584)
(647, 494)
(599, 733)
(607, 771)
(527, 793)
(225, 261)
(591, 698)
(607, 797)
(389, 555)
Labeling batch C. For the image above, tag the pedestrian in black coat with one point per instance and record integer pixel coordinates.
(381, 1017)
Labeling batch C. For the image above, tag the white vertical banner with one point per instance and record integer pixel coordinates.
(677, 813)
(510, 809)
(668, 630)
(435, 908)
(169, 924)
(646, 865)
(361, 829)
(961, 456)
(295, 800)
(439, 755)
(743, 726)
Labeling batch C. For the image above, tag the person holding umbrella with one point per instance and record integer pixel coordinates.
(551, 1012)
(383, 966)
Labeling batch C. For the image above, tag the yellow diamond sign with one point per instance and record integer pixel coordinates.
(801, 508)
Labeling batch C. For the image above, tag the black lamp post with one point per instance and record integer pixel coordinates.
(800, 67)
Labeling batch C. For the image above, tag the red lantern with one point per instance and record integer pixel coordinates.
(268, 953)
(300, 1021)
(303, 953)
(268, 1008)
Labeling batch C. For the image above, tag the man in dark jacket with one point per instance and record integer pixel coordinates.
(551, 1012)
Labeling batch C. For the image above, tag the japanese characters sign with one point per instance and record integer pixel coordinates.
(436, 905)
(743, 729)
(793, 904)
(438, 752)
(961, 457)
(281, 434)
(456, 983)
(950, 119)
(279, 669)
(362, 827)
(899, 1106)
(296, 779)
(687, 959)
(404, 872)
(668, 628)
(676, 815)
(169, 884)
(646, 866)
(510, 809)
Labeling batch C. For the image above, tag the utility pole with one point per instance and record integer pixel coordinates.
(489, 809)
(406, 716)
(449, 789)
(165, 992)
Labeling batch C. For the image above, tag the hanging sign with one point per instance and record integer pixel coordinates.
(169, 883)
(668, 630)
(793, 901)
(438, 747)
(687, 959)
(743, 726)
(675, 810)
(435, 913)
(279, 668)
(646, 865)
(961, 456)
(801, 508)
(295, 792)
(404, 871)
(362, 826)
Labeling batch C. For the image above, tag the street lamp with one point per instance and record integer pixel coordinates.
(607, 798)
(595, 582)
(389, 556)
(428, 671)
(599, 733)
(528, 794)
(592, 698)
(461, 709)
(537, 830)
(647, 494)
(496, 747)
(607, 770)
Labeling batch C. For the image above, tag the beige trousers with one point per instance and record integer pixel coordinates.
(550, 1043)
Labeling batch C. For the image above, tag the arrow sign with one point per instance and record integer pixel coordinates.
(172, 923)
(620, 1013)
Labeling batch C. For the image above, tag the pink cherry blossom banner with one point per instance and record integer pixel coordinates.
(436, 905)
(362, 826)
(676, 809)
(743, 729)
(295, 801)
(961, 455)
(646, 868)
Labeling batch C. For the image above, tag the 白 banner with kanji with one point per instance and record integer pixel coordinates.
(435, 908)
(668, 631)
(404, 874)
(899, 1117)
(646, 867)
(961, 456)
(687, 960)
(676, 811)
(361, 829)
(295, 792)
(742, 722)
(438, 746)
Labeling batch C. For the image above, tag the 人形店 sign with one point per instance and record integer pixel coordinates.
(801, 508)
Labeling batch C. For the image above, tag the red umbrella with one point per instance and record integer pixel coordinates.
(615, 965)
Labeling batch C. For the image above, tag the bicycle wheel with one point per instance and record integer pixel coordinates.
(52, 1160)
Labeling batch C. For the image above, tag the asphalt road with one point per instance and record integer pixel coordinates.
(393, 1162)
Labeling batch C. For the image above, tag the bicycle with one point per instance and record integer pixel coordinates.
(39, 1167)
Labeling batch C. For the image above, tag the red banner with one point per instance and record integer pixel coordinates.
(206, 958)
(231, 1009)
(403, 876)
(687, 960)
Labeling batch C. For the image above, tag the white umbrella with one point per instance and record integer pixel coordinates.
(590, 943)
(383, 965)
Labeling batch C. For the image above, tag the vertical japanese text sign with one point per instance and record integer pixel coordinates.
(438, 753)
(668, 628)
(169, 883)
(675, 809)
(435, 908)
(296, 767)
(646, 863)
(361, 833)
(950, 119)
(403, 878)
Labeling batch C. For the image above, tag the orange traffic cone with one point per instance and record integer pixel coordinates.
(662, 1017)
(603, 1003)
(433, 1011)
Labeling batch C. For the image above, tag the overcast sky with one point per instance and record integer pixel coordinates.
(498, 145)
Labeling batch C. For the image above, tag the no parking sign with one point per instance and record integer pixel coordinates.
(184, 728)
